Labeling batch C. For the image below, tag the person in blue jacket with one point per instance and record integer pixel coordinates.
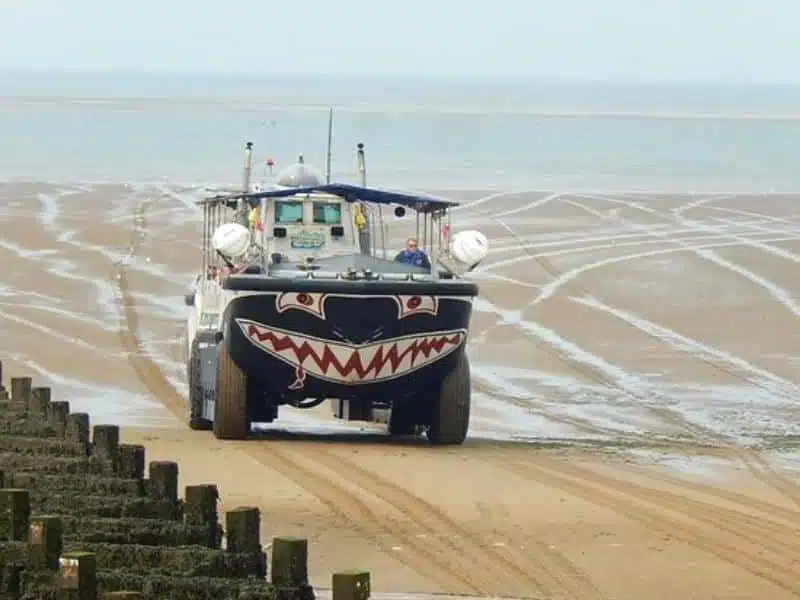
(412, 254)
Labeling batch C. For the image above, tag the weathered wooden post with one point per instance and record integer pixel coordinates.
(243, 527)
(163, 480)
(162, 484)
(40, 399)
(57, 413)
(21, 392)
(15, 514)
(77, 429)
(45, 542)
(351, 585)
(78, 576)
(131, 461)
(289, 565)
(106, 445)
(12, 580)
(200, 510)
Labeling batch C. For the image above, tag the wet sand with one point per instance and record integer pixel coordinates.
(635, 362)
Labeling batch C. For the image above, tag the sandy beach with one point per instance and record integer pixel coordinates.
(636, 379)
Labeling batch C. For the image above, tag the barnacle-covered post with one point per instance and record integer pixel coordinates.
(40, 399)
(15, 514)
(163, 480)
(45, 542)
(77, 429)
(200, 510)
(289, 566)
(78, 575)
(21, 389)
(351, 585)
(131, 461)
(243, 526)
(57, 415)
(105, 439)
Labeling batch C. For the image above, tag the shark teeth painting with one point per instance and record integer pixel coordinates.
(352, 364)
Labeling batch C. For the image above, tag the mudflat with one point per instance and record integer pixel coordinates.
(635, 361)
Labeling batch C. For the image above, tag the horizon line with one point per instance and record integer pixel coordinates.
(399, 77)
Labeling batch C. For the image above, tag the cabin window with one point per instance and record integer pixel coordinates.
(288, 212)
(326, 213)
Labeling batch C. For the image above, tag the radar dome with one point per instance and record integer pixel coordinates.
(469, 247)
(231, 239)
(299, 175)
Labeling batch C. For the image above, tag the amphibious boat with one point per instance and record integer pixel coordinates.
(298, 301)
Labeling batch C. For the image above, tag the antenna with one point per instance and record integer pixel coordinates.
(330, 145)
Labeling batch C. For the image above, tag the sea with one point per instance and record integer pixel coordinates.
(422, 134)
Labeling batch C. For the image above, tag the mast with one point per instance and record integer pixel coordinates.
(330, 147)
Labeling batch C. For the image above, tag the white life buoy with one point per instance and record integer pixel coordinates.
(469, 247)
(231, 240)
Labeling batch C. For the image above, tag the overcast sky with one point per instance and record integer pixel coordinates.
(674, 40)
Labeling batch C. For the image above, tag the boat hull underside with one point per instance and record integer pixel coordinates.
(380, 348)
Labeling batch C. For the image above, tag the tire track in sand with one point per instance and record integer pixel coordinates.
(752, 459)
(547, 571)
(608, 376)
(447, 554)
(426, 559)
(787, 516)
(618, 438)
(146, 369)
(768, 552)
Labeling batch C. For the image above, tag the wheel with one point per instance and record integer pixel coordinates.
(449, 420)
(402, 421)
(230, 408)
(196, 420)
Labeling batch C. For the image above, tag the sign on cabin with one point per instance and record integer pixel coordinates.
(307, 240)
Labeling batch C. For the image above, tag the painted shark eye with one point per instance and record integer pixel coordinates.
(414, 305)
(304, 299)
(308, 302)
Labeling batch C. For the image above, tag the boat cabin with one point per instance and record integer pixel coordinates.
(309, 225)
(298, 225)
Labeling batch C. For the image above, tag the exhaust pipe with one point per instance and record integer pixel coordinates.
(362, 164)
(248, 167)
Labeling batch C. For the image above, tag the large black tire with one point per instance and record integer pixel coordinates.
(196, 420)
(402, 421)
(449, 420)
(230, 407)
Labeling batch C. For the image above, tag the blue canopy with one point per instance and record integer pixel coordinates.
(350, 193)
